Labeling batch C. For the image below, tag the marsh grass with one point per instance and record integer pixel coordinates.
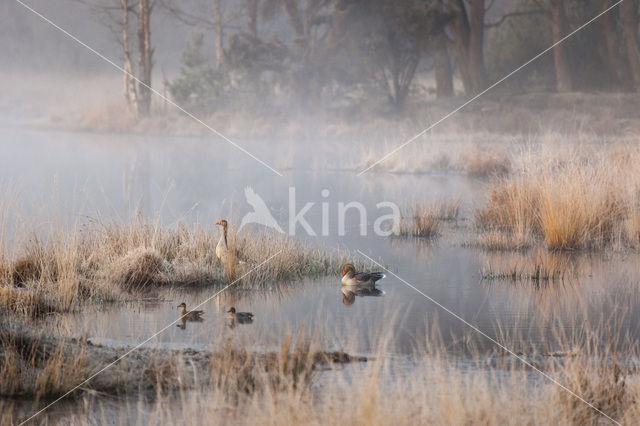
(425, 219)
(588, 201)
(484, 161)
(43, 368)
(234, 384)
(33, 369)
(29, 304)
(284, 390)
(106, 262)
(538, 266)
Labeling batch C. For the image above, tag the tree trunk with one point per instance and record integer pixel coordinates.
(630, 30)
(130, 92)
(460, 29)
(145, 52)
(443, 71)
(293, 14)
(476, 45)
(252, 15)
(611, 55)
(560, 59)
(468, 33)
(217, 22)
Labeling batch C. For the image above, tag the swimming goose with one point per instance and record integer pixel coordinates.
(240, 317)
(222, 249)
(191, 315)
(351, 277)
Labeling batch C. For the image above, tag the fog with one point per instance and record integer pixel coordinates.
(517, 194)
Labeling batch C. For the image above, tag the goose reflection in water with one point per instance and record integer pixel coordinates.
(349, 293)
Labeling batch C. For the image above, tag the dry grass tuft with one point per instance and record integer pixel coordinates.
(424, 219)
(29, 304)
(139, 269)
(486, 162)
(420, 220)
(604, 386)
(25, 269)
(32, 369)
(585, 202)
(502, 241)
(537, 266)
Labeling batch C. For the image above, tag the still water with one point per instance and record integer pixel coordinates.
(66, 177)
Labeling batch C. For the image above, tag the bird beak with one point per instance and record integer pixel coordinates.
(343, 273)
(218, 223)
(229, 311)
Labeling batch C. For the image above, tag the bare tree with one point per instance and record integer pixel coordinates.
(630, 31)
(130, 91)
(219, 30)
(252, 17)
(609, 46)
(467, 27)
(555, 10)
(560, 56)
(115, 14)
(442, 68)
(219, 16)
(440, 53)
(145, 54)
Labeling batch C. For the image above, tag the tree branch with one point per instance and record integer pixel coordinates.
(506, 16)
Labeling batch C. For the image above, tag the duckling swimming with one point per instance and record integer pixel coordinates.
(189, 315)
(353, 278)
(240, 317)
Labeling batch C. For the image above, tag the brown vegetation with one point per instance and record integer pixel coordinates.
(536, 266)
(586, 201)
(105, 262)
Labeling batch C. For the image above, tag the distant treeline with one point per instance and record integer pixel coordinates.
(326, 53)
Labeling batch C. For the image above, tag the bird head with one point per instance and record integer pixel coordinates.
(348, 268)
(232, 310)
(182, 305)
(222, 223)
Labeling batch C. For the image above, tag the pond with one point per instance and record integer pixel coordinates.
(192, 180)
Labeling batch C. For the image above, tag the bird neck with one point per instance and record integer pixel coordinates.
(223, 237)
(184, 310)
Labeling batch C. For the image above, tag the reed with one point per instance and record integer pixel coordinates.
(585, 202)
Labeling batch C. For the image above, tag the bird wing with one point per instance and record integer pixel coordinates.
(369, 276)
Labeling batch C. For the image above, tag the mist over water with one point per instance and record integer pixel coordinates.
(304, 99)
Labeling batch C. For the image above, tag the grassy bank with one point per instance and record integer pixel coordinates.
(42, 368)
(103, 262)
(234, 385)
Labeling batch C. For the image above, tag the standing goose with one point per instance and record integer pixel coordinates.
(353, 278)
(223, 250)
(189, 315)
